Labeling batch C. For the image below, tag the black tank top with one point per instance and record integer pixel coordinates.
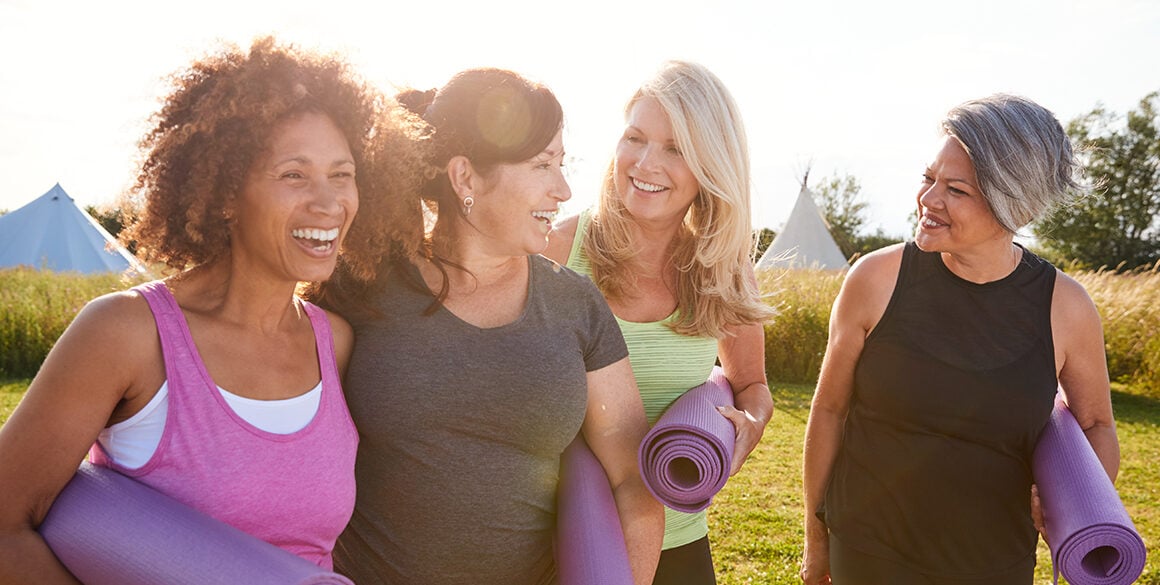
(951, 392)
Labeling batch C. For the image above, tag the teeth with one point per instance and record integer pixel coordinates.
(316, 234)
(651, 188)
(548, 216)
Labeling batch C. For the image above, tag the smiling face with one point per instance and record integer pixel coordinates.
(649, 171)
(954, 216)
(297, 202)
(515, 209)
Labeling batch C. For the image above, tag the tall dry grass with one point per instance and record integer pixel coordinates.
(35, 308)
(1129, 305)
(795, 339)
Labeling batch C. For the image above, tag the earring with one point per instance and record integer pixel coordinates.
(467, 203)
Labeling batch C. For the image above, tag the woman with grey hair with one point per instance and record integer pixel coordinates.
(943, 362)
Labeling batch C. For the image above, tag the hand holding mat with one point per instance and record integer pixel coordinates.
(108, 529)
(590, 548)
(684, 459)
(1092, 539)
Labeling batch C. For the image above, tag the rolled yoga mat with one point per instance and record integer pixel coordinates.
(684, 459)
(1092, 539)
(108, 529)
(590, 548)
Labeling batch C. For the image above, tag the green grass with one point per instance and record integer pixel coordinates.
(35, 308)
(10, 393)
(755, 522)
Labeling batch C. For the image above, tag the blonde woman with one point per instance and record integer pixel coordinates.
(669, 245)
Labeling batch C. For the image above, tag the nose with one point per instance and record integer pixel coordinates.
(929, 196)
(561, 191)
(328, 198)
(648, 157)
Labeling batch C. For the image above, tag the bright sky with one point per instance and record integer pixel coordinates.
(845, 86)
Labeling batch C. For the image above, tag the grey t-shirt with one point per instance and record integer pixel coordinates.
(461, 431)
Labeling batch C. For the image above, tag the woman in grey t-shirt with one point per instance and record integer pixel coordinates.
(478, 361)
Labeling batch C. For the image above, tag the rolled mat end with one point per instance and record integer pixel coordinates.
(1092, 538)
(685, 458)
(108, 529)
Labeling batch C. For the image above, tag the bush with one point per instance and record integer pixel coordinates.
(35, 308)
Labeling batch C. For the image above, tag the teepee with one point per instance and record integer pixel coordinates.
(805, 241)
(53, 233)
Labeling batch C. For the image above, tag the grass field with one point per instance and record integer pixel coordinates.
(755, 522)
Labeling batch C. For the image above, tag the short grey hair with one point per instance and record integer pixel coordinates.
(1023, 159)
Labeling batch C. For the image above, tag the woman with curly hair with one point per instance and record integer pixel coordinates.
(204, 384)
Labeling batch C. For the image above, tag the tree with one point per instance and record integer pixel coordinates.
(110, 218)
(1117, 224)
(764, 239)
(838, 198)
(113, 219)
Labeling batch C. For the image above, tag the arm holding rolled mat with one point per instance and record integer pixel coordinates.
(1083, 368)
(1083, 377)
(742, 356)
(103, 369)
(613, 427)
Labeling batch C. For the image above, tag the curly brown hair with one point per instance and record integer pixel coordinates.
(389, 225)
(215, 123)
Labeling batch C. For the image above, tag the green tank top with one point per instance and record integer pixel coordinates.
(665, 364)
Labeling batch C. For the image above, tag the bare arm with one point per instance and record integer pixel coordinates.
(860, 304)
(743, 359)
(86, 380)
(614, 426)
(1083, 368)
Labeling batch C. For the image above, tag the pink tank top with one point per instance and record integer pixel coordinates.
(295, 491)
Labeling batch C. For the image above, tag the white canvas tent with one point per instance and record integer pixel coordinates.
(53, 233)
(805, 241)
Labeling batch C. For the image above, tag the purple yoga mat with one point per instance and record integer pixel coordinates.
(590, 547)
(1092, 539)
(684, 459)
(108, 529)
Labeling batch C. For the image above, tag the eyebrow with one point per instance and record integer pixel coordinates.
(929, 171)
(304, 160)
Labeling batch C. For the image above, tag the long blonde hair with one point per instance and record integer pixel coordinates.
(713, 252)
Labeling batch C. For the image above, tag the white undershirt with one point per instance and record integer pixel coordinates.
(132, 442)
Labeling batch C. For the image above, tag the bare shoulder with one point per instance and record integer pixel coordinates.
(343, 335)
(107, 363)
(122, 318)
(1070, 299)
(876, 271)
(560, 239)
(1075, 321)
(867, 289)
